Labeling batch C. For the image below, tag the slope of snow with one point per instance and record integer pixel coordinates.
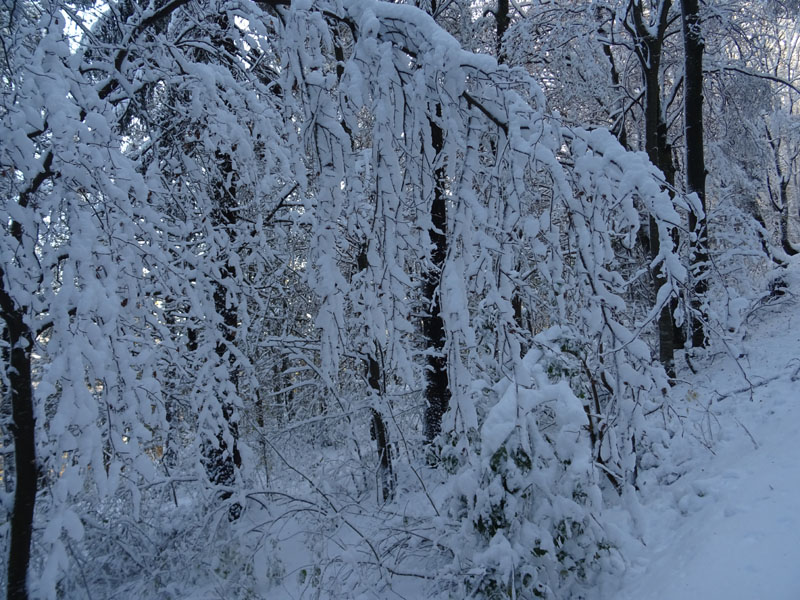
(729, 526)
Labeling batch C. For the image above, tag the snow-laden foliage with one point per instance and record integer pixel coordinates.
(84, 250)
(537, 215)
(122, 260)
(525, 508)
(220, 236)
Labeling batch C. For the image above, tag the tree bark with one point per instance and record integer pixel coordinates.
(695, 161)
(437, 389)
(618, 127)
(381, 434)
(221, 462)
(18, 370)
(649, 45)
(378, 426)
(781, 203)
(502, 21)
(785, 219)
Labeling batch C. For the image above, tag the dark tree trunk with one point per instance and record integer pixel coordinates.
(695, 161)
(19, 338)
(381, 434)
(618, 126)
(437, 389)
(766, 247)
(649, 44)
(502, 21)
(786, 243)
(378, 426)
(222, 461)
(17, 363)
(781, 203)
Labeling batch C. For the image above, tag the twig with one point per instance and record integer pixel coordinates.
(747, 388)
(747, 431)
(81, 569)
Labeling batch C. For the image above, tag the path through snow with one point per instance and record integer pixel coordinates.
(729, 528)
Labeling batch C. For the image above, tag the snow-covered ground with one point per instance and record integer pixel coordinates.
(729, 526)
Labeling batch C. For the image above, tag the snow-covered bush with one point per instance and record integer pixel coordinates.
(526, 502)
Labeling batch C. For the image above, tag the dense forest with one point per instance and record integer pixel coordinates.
(361, 299)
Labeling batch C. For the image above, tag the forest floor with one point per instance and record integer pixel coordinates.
(728, 527)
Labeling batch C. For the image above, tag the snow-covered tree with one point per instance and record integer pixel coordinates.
(237, 225)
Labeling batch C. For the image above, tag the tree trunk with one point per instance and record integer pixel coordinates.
(695, 162)
(18, 370)
(781, 203)
(437, 389)
(785, 217)
(618, 127)
(381, 434)
(502, 21)
(649, 44)
(221, 462)
(378, 426)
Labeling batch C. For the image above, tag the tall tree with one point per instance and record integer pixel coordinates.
(375, 373)
(55, 184)
(437, 387)
(647, 24)
(695, 162)
(17, 366)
